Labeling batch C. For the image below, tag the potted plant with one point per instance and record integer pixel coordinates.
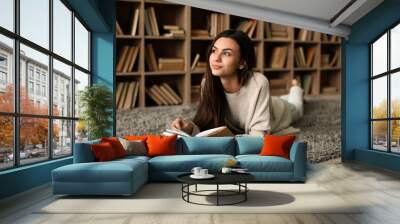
(96, 103)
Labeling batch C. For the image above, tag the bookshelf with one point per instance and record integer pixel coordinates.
(162, 47)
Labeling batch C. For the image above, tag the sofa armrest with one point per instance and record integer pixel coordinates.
(83, 152)
(298, 155)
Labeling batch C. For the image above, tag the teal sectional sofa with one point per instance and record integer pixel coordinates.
(125, 176)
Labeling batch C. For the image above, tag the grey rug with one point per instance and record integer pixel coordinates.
(166, 198)
(320, 125)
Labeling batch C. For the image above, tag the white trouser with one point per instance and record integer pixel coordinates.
(295, 99)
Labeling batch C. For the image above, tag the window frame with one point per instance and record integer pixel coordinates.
(388, 74)
(16, 114)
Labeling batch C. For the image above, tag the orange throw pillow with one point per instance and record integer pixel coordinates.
(103, 152)
(135, 137)
(116, 145)
(277, 145)
(161, 145)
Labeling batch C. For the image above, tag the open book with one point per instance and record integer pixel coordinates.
(214, 132)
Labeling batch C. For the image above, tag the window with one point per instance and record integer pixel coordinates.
(41, 82)
(7, 14)
(385, 95)
(30, 87)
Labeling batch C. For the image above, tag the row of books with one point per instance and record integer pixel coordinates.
(329, 90)
(276, 31)
(329, 60)
(150, 22)
(173, 31)
(304, 60)
(278, 86)
(217, 23)
(279, 56)
(163, 94)
(248, 27)
(329, 38)
(304, 35)
(134, 24)
(127, 94)
(171, 64)
(127, 58)
(196, 64)
(200, 33)
(306, 83)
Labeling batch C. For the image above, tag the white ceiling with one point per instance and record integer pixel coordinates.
(315, 15)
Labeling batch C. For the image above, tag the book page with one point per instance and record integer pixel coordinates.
(216, 132)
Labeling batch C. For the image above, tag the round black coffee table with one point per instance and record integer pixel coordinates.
(238, 179)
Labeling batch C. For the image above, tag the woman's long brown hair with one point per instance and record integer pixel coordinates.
(212, 107)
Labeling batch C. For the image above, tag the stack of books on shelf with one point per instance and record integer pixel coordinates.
(134, 24)
(329, 38)
(304, 60)
(329, 90)
(127, 94)
(171, 64)
(278, 86)
(198, 65)
(200, 33)
(327, 62)
(118, 29)
(127, 58)
(279, 56)
(163, 94)
(217, 23)
(248, 27)
(305, 35)
(150, 22)
(276, 31)
(173, 31)
(151, 59)
(306, 83)
(195, 93)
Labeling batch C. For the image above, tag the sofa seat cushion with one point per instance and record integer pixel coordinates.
(185, 163)
(112, 171)
(257, 163)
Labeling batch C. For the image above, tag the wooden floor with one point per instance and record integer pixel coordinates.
(379, 190)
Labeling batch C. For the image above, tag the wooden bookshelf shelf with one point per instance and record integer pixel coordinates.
(202, 38)
(163, 38)
(128, 37)
(180, 73)
(160, 43)
(276, 70)
(128, 74)
(305, 69)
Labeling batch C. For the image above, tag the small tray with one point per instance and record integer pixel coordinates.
(208, 176)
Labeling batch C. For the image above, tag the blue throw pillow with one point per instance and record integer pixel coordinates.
(205, 145)
(249, 144)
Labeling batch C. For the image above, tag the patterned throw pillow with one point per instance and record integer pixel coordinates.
(134, 147)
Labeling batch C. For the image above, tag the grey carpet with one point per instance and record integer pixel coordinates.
(320, 125)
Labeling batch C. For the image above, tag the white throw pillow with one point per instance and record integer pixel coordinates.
(135, 147)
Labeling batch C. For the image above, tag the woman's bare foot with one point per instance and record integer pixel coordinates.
(295, 82)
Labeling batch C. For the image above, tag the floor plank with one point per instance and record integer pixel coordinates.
(376, 190)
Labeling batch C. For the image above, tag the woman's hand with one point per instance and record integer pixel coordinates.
(180, 124)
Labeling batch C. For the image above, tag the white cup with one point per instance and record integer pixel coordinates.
(226, 170)
(203, 172)
(196, 170)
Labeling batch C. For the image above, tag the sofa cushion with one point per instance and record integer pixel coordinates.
(83, 152)
(134, 147)
(111, 171)
(103, 151)
(206, 145)
(275, 145)
(185, 163)
(257, 163)
(159, 145)
(249, 144)
(116, 145)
